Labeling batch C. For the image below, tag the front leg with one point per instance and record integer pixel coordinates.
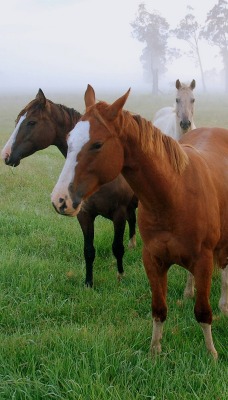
(157, 275)
(119, 222)
(203, 269)
(86, 222)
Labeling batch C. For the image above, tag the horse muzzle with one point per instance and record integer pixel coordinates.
(12, 161)
(67, 207)
(185, 125)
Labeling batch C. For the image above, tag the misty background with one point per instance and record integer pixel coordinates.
(62, 45)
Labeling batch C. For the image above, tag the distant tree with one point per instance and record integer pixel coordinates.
(154, 31)
(215, 32)
(190, 31)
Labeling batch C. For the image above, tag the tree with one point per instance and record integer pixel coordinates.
(154, 31)
(216, 32)
(190, 31)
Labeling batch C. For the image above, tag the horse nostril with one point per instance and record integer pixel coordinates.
(61, 200)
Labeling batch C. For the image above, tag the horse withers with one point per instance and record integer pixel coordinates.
(182, 190)
(43, 123)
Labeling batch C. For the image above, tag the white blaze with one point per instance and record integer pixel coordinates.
(76, 140)
(6, 151)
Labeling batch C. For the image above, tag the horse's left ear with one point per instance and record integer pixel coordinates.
(113, 109)
(178, 84)
(193, 84)
(42, 99)
(89, 96)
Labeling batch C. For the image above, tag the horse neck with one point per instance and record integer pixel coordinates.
(66, 119)
(148, 170)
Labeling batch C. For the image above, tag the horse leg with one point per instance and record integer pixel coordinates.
(132, 223)
(223, 302)
(86, 222)
(203, 274)
(190, 286)
(119, 222)
(157, 276)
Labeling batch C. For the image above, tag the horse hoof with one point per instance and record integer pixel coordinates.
(120, 276)
(132, 242)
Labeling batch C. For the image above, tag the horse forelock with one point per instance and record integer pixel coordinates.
(32, 106)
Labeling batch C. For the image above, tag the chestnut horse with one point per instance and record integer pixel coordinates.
(182, 191)
(175, 121)
(43, 123)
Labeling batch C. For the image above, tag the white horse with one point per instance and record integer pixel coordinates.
(175, 121)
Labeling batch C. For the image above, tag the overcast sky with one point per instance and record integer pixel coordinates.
(64, 44)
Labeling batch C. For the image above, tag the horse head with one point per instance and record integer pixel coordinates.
(185, 106)
(36, 129)
(89, 162)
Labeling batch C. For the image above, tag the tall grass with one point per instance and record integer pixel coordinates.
(59, 340)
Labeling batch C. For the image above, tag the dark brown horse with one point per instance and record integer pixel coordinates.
(182, 191)
(43, 123)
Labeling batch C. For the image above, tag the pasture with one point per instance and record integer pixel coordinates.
(60, 340)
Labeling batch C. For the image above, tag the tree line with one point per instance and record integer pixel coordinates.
(153, 30)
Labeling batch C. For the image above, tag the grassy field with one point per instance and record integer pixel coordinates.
(59, 340)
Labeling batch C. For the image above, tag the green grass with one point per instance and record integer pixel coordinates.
(59, 340)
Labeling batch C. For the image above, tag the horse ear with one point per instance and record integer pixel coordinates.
(89, 96)
(42, 99)
(178, 84)
(193, 84)
(113, 109)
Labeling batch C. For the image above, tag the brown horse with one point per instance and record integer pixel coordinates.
(43, 123)
(182, 191)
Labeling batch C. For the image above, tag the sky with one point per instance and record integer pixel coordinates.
(65, 44)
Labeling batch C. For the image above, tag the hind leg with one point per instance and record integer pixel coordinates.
(190, 286)
(223, 302)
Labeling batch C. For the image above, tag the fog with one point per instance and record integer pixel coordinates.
(66, 44)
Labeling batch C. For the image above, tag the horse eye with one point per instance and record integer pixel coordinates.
(96, 146)
(177, 100)
(31, 123)
(192, 100)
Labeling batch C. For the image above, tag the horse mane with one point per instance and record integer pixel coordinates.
(36, 105)
(147, 135)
